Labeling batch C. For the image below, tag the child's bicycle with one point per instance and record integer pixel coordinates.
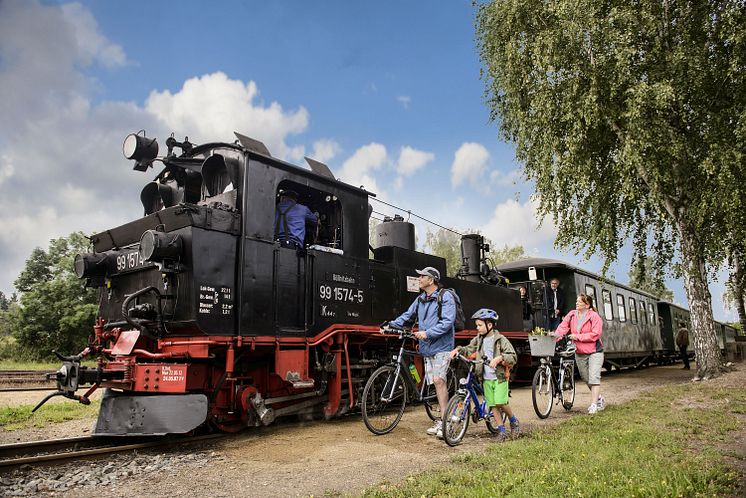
(466, 405)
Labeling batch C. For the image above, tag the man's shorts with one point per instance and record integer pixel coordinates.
(495, 392)
(589, 366)
(437, 366)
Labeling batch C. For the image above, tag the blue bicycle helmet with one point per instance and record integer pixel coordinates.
(485, 314)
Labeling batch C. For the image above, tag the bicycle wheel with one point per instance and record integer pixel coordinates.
(456, 420)
(383, 406)
(542, 392)
(568, 387)
(432, 407)
(492, 425)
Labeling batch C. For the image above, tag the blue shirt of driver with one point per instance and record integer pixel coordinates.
(440, 332)
(297, 216)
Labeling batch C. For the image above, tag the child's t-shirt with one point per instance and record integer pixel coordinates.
(489, 351)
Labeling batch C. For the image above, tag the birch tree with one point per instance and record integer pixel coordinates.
(630, 119)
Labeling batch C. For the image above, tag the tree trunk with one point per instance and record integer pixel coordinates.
(706, 348)
(738, 289)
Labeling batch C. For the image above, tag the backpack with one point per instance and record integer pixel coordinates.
(459, 322)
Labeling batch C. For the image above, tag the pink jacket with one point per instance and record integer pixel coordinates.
(589, 337)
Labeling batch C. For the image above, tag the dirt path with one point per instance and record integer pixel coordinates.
(341, 456)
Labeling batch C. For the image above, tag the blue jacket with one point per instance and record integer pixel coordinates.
(440, 333)
(297, 216)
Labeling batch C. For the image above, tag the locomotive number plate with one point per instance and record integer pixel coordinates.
(342, 294)
(130, 260)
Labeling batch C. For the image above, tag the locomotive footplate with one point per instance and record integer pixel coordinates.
(150, 414)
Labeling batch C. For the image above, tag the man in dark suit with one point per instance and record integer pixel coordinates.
(555, 304)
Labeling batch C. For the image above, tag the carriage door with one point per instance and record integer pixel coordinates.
(289, 287)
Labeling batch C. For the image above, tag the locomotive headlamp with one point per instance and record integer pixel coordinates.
(140, 149)
(159, 246)
(90, 265)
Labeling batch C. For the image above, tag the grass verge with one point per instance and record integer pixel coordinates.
(20, 417)
(36, 365)
(668, 442)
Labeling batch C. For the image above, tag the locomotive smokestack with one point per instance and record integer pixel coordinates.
(471, 257)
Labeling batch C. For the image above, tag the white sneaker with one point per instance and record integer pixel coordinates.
(601, 403)
(592, 409)
(439, 434)
(436, 428)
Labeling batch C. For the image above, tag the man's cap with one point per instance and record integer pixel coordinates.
(430, 272)
(289, 193)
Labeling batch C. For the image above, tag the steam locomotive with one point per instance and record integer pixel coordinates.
(206, 318)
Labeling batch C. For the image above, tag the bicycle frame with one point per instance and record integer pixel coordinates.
(557, 373)
(401, 368)
(470, 392)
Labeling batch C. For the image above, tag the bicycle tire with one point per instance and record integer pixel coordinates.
(490, 421)
(456, 420)
(381, 416)
(432, 407)
(568, 394)
(542, 392)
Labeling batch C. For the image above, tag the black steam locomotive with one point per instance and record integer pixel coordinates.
(206, 318)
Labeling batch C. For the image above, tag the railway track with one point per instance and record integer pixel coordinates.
(77, 448)
(14, 377)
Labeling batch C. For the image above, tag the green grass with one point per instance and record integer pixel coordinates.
(20, 417)
(665, 443)
(36, 365)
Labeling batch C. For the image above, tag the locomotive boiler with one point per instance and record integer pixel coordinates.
(206, 318)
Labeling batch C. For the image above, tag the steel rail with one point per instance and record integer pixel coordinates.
(53, 450)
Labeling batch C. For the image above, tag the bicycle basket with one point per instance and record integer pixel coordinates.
(541, 345)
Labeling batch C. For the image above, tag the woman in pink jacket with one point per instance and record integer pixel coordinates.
(584, 326)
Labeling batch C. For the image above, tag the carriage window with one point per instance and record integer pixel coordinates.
(608, 307)
(591, 292)
(620, 308)
(632, 310)
(651, 313)
(643, 314)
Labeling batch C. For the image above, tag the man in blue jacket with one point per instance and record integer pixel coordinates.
(436, 335)
(291, 219)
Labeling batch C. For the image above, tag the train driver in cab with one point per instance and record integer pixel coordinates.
(291, 219)
(436, 334)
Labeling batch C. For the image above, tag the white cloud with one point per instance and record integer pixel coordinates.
(91, 45)
(469, 163)
(513, 223)
(215, 106)
(501, 179)
(61, 165)
(325, 150)
(357, 170)
(410, 161)
(404, 100)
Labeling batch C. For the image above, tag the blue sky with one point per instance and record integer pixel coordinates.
(387, 93)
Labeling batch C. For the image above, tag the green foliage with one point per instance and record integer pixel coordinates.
(447, 245)
(656, 445)
(56, 311)
(646, 275)
(630, 119)
(20, 417)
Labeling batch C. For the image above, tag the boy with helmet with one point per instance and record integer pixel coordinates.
(496, 351)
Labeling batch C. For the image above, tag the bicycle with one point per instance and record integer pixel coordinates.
(466, 398)
(553, 381)
(386, 392)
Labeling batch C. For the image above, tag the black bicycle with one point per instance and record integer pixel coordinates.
(554, 380)
(391, 386)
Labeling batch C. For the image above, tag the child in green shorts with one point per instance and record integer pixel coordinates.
(495, 371)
